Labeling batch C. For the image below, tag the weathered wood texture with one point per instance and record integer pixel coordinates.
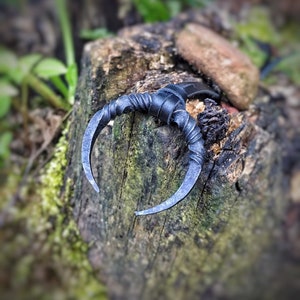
(212, 244)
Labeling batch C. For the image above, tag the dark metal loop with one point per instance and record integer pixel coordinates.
(167, 104)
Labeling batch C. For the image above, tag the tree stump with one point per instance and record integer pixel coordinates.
(212, 244)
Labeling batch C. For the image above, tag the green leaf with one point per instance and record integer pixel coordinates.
(152, 10)
(27, 62)
(60, 85)
(291, 66)
(8, 60)
(250, 48)
(24, 67)
(71, 77)
(50, 67)
(5, 140)
(7, 89)
(16, 76)
(174, 7)
(94, 34)
(5, 102)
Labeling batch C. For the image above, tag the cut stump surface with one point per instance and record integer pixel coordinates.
(206, 245)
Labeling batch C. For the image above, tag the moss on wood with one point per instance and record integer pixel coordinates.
(47, 259)
(208, 243)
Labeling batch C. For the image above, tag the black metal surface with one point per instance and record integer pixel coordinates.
(168, 105)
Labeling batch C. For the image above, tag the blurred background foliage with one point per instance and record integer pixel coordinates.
(42, 255)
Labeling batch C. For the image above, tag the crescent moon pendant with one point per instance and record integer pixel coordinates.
(167, 104)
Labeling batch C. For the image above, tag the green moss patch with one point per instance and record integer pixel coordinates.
(42, 255)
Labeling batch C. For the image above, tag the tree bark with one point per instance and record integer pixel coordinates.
(211, 245)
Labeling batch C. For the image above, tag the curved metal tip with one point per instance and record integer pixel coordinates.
(188, 183)
(88, 141)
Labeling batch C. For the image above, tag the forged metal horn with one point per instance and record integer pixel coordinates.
(168, 105)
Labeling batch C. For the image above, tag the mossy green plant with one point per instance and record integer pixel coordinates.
(259, 27)
(43, 255)
(63, 238)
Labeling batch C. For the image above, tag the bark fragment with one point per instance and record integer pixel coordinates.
(214, 56)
